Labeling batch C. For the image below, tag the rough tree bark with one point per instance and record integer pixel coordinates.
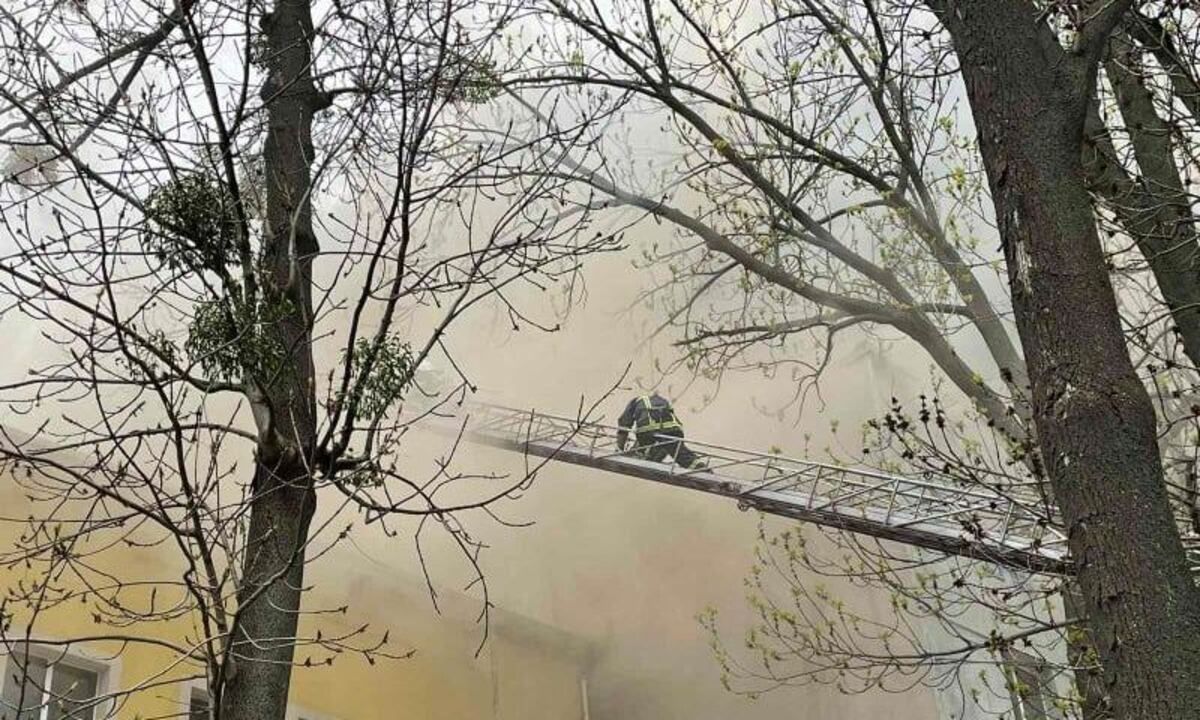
(1094, 420)
(285, 401)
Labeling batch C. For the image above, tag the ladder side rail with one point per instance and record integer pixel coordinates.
(937, 517)
(771, 459)
(837, 499)
(846, 483)
(894, 482)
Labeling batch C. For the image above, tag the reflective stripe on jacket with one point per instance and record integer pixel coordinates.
(648, 414)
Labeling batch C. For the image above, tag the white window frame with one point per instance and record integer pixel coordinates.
(105, 670)
(1015, 662)
(189, 690)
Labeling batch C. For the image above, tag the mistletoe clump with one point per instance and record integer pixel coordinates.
(229, 341)
(193, 223)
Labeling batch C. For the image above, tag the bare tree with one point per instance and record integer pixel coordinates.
(242, 228)
(954, 625)
(823, 185)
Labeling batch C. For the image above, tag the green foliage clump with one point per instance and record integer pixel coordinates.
(229, 343)
(382, 372)
(471, 81)
(194, 223)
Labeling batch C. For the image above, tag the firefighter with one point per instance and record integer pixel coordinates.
(659, 433)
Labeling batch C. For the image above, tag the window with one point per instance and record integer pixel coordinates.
(1030, 685)
(198, 705)
(39, 689)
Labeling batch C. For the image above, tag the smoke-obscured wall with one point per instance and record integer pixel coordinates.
(624, 563)
(627, 563)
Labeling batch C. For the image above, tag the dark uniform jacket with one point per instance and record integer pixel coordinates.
(645, 416)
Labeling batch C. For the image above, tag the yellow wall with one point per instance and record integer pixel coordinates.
(526, 671)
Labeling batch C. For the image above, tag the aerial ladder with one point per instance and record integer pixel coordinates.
(930, 510)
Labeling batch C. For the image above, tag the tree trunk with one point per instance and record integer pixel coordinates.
(258, 672)
(283, 394)
(1094, 421)
(1156, 212)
